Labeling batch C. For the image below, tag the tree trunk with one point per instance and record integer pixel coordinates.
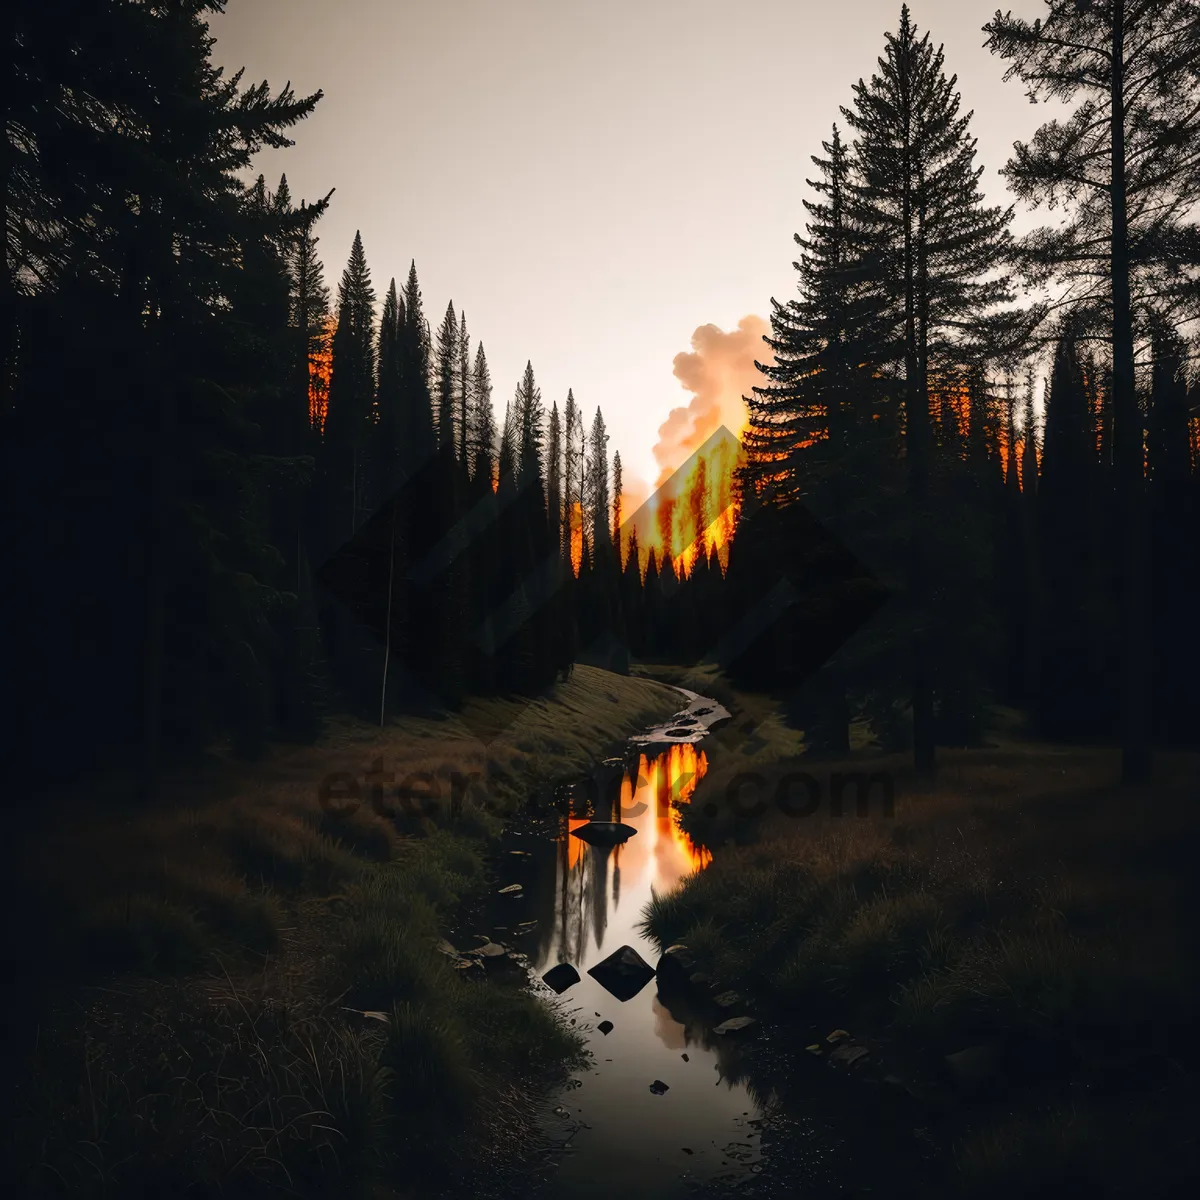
(387, 641)
(1128, 446)
(917, 437)
(158, 400)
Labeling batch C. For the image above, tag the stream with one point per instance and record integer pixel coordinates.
(580, 902)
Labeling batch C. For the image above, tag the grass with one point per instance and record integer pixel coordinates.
(188, 967)
(1021, 901)
(240, 1097)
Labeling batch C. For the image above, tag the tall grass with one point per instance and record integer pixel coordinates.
(1020, 902)
(231, 927)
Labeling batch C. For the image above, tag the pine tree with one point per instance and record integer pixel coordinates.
(1174, 514)
(130, 237)
(938, 246)
(351, 401)
(447, 379)
(1030, 450)
(827, 346)
(529, 416)
(481, 428)
(573, 458)
(618, 486)
(420, 441)
(310, 319)
(464, 391)
(597, 484)
(1069, 703)
(389, 402)
(506, 460)
(554, 478)
(1127, 164)
(632, 598)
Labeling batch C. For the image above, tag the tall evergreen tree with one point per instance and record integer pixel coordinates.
(597, 484)
(1070, 698)
(529, 415)
(481, 428)
(447, 379)
(573, 459)
(1126, 162)
(420, 441)
(130, 237)
(389, 402)
(618, 486)
(310, 320)
(824, 386)
(554, 478)
(939, 247)
(464, 391)
(348, 423)
(1173, 518)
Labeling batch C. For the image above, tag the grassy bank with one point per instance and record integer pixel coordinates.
(198, 973)
(1021, 909)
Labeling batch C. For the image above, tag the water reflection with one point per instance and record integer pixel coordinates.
(589, 902)
(597, 884)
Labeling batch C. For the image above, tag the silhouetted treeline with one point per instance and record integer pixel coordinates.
(1057, 569)
(237, 502)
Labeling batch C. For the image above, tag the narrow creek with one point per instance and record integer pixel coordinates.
(579, 903)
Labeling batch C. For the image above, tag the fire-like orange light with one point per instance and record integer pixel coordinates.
(694, 511)
(663, 785)
(320, 369)
(576, 526)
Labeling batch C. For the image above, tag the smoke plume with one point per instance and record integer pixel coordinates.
(719, 371)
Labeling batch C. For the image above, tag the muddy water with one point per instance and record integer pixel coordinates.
(618, 1136)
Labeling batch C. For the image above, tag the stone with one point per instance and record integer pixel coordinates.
(735, 1025)
(490, 950)
(846, 1055)
(676, 962)
(658, 1087)
(623, 973)
(561, 977)
(605, 1027)
(604, 833)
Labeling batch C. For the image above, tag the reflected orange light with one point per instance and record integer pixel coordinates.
(574, 845)
(665, 784)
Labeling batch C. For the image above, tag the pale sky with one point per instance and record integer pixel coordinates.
(591, 181)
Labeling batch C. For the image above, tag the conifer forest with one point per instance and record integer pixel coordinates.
(273, 516)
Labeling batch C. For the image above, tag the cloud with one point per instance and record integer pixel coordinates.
(719, 370)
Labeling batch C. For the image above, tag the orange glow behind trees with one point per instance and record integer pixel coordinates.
(694, 511)
(320, 368)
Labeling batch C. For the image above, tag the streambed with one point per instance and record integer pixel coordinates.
(616, 1132)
